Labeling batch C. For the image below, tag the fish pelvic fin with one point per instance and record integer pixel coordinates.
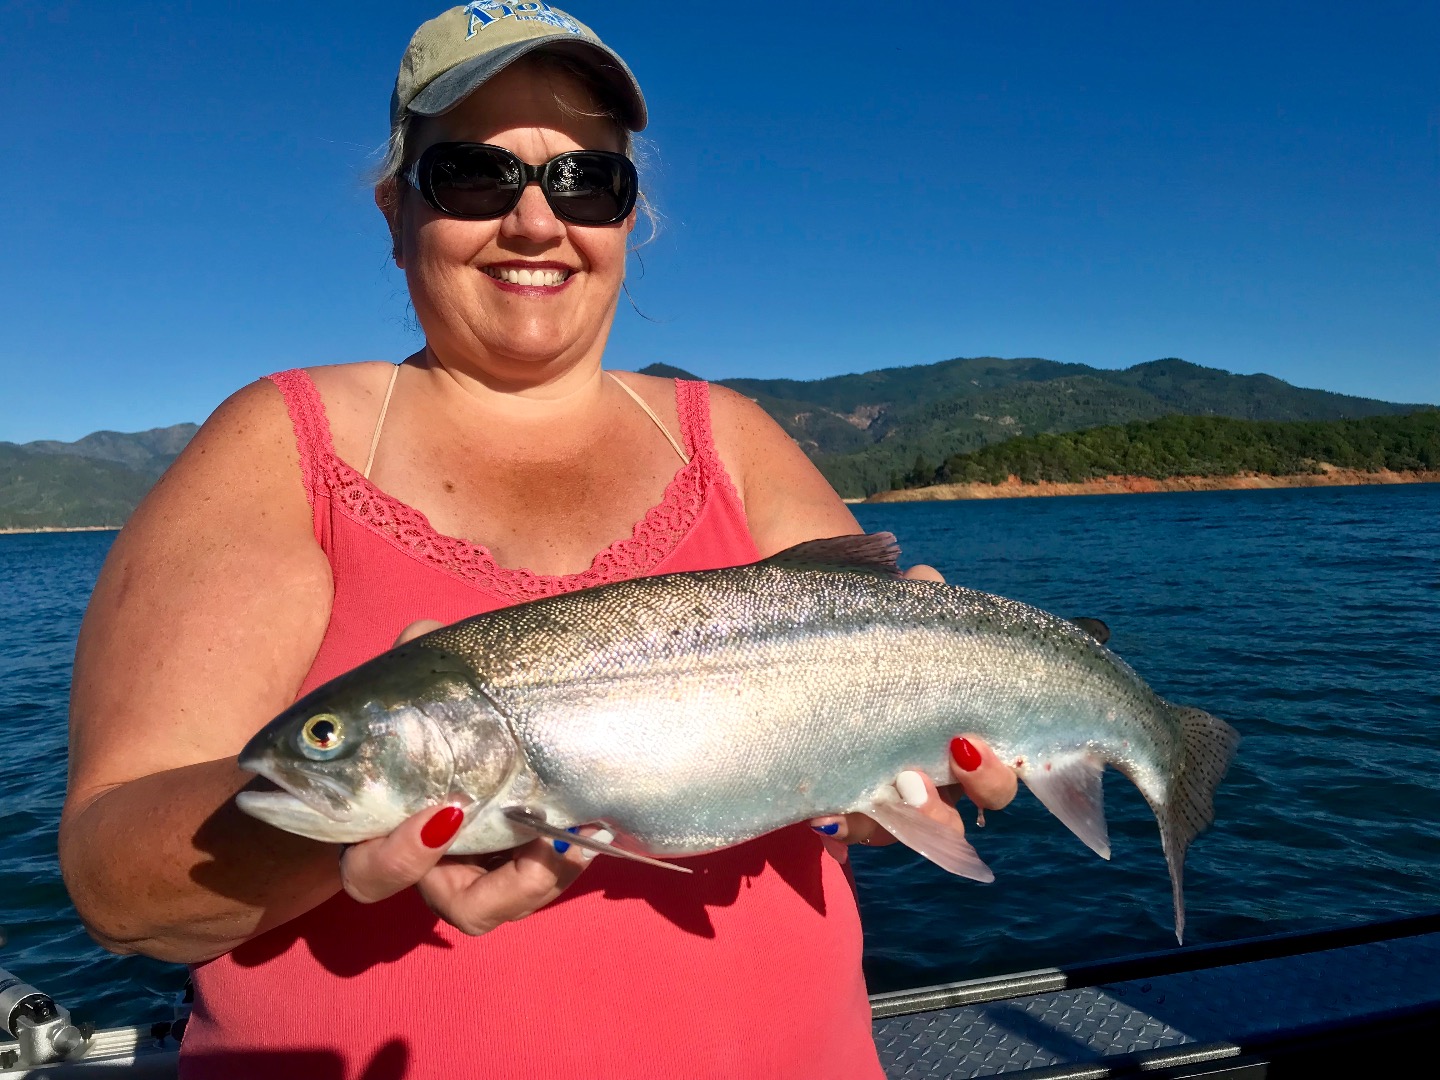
(941, 844)
(536, 823)
(1209, 744)
(873, 553)
(1070, 786)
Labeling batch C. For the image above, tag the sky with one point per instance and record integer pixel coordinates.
(844, 186)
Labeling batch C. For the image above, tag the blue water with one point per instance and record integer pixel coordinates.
(1306, 618)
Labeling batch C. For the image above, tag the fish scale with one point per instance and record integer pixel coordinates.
(694, 711)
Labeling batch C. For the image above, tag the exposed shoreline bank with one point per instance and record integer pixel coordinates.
(1013, 488)
(29, 529)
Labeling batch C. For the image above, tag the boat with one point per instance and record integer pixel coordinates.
(1353, 1001)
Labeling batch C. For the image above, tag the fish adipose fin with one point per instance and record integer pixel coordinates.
(1190, 802)
(875, 553)
(529, 819)
(1070, 787)
(939, 843)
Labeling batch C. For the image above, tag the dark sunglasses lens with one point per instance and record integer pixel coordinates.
(474, 181)
(590, 188)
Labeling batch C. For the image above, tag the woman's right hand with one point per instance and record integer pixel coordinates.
(474, 894)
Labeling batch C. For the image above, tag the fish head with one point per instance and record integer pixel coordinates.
(356, 757)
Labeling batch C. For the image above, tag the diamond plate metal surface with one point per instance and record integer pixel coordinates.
(1222, 1004)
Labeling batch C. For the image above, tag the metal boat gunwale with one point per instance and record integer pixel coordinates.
(1370, 1039)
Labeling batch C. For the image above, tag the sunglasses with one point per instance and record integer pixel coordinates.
(477, 181)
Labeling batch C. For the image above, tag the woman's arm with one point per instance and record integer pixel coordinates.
(786, 499)
(204, 621)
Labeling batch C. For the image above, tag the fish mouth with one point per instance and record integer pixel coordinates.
(318, 793)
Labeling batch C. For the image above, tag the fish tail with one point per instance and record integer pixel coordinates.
(1209, 744)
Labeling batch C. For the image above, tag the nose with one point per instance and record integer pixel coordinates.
(532, 219)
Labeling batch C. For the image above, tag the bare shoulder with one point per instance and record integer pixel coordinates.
(352, 394)
(657, 392)
(210, 605)
(787, 500)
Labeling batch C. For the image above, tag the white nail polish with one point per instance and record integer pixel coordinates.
(602, 836)
(911, 786)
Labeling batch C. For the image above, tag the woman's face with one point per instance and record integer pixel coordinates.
(455, 269)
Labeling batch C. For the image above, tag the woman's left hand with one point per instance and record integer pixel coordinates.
(979, 775)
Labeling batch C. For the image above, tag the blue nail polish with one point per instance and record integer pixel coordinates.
(828, 830)
(561, 846)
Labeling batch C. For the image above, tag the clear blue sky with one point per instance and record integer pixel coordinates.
(1251, 186)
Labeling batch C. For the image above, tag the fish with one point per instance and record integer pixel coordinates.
(693, 711)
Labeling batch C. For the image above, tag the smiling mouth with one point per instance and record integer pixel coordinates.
(544, 278)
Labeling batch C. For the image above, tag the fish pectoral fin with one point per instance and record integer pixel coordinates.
(536, 823)
(939, 843)
(1070, 787)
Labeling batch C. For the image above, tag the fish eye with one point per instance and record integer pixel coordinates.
(322, 734)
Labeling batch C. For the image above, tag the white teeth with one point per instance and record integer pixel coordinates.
(517, 276)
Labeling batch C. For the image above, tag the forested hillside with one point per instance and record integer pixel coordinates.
(97, 480)
(41, 490)
(1200, 446)
(866, 431)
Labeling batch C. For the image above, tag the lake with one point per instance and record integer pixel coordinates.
(1306, 618)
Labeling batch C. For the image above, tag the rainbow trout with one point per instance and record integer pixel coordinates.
(693, 711)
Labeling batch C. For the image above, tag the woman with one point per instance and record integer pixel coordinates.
(288, 543)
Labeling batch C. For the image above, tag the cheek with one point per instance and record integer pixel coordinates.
(437, 246)
(605, 249)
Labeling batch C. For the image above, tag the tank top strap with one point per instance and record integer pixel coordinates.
(692, 402)
(312, 429)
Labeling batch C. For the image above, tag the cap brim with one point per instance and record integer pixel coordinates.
(449, 89)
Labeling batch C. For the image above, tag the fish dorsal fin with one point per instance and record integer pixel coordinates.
(873, 553)
(1094, 627)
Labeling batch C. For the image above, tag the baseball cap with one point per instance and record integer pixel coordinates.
(458, 50)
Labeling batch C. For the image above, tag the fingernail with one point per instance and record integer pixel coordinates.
(600, 836)
(965, 754)
(911, 786)
(828, 830)
(563, 846)
(441, 828)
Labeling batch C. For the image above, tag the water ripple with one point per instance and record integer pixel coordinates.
(1308, 622)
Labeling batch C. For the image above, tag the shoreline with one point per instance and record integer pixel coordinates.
(1014, 488)
(32, 529)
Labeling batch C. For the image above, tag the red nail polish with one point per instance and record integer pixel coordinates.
(441, 828)
(965, 754)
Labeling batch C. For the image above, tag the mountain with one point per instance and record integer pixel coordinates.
(97, 480)
(147, 452)
(867, 432)
(50, 490)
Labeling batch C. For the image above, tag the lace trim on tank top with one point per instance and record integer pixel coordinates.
(653, 538)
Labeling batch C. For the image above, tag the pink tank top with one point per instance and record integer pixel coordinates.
(749, 969)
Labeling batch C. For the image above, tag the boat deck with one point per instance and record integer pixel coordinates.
(1290, 1002)
(1363, 1001)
